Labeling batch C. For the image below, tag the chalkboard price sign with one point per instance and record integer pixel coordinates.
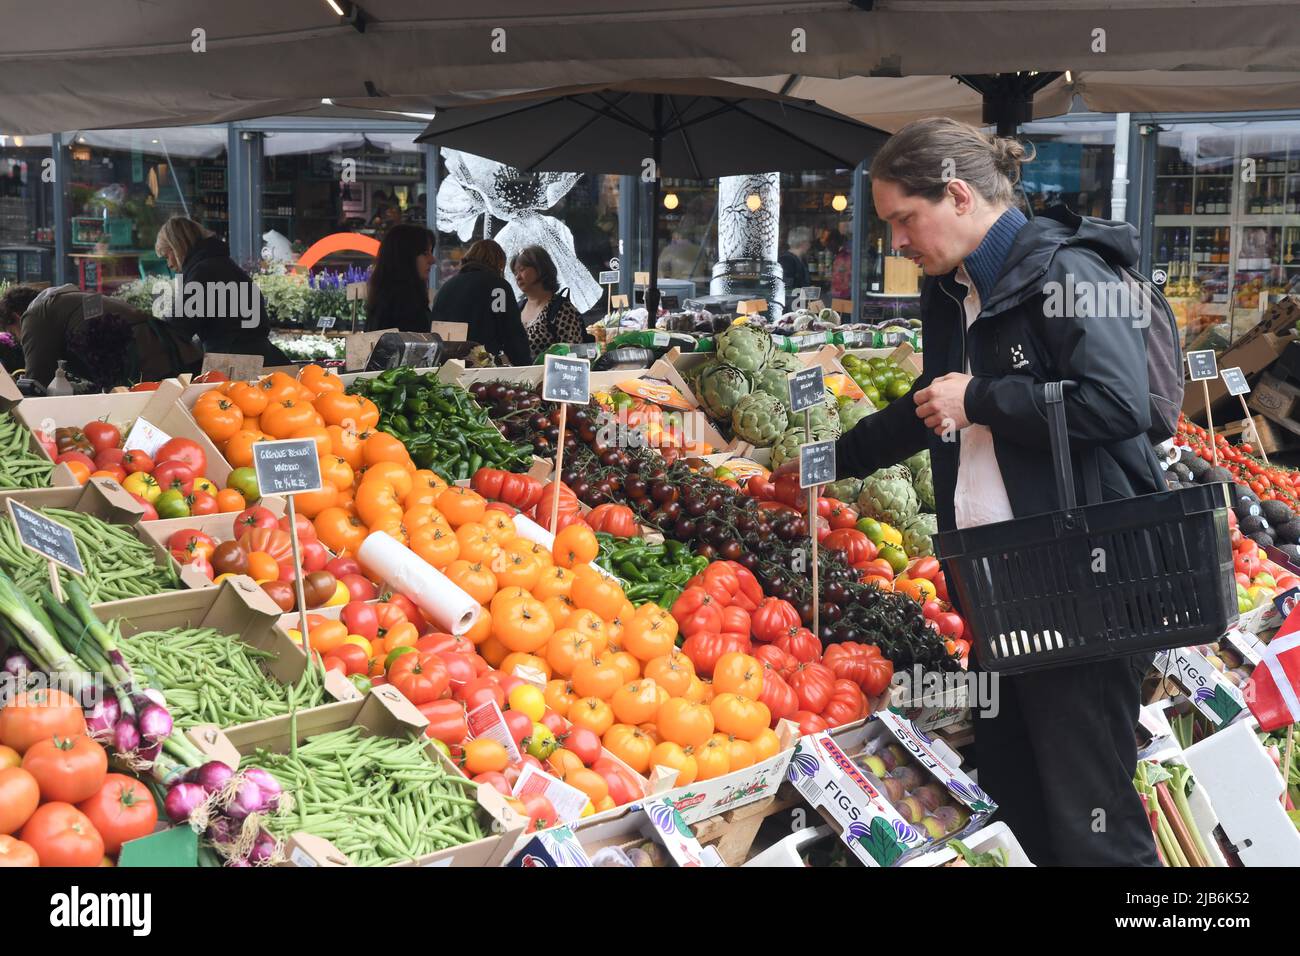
(609, 277)
(1235, 380)
(47, 538)
(566, 379)
(807, 388)
(287, 467)
(816, 464)
(326, 322)
(1202, 365)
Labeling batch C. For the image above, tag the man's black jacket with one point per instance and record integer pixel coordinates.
(1014, 347)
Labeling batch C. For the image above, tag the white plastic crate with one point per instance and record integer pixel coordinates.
(992, 836)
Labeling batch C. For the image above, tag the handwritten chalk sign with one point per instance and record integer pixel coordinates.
(46, 537)
(287, 467)
(1202, 365)
(609, 277)
(326, 322)
(566, 379)
(816, 464)
(807, 388)
(1235, 380)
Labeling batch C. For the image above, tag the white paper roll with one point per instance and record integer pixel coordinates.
(448, 607)
(530, 530)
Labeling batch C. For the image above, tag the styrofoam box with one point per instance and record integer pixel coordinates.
(788, 851)
(981, 841)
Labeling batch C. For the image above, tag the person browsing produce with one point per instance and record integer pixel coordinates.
(479, 296)
(1055, 745)
(549, 317)
(398, 293)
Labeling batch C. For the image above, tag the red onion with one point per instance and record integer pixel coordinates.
(238, 863)
(221, 831)
(17, 664)
(213, 776)
(154, 696)
(267, 784)
(183, 799)
(104, 716)
(263, 848)
(126, 737)
(149, 754)
(155, 723)
(248, 799)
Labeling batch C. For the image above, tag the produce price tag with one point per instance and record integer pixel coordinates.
(486, 720)
(146, 437)
(566, 379)
(92, 306)
(1248, 645)
(326, 322)
(857, 340)
(238, 368)
(816, 464)
(287, 467)
(618, 302)
(640, 278)
(807, 388)
(609, 277)
(661, 340)
(569, 801)
(1202, 365)
(1235, 380)
(357, 291)
(47, 538)
(751, 306)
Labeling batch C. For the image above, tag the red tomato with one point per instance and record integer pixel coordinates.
(481, 690)
(360, 588)
(354, 658)
(495, 780)
(361, 619)
(809, 723)
(446, 720)
(540, 812)
(460, 668)
(314, 555)
(342, 567)
(102, 435)
(519, 725)
(951, 625)
(175, 474)
(582, 742)
(121, 810)
(554, 722)
(306, 530)
(185, 450)
(253, 518)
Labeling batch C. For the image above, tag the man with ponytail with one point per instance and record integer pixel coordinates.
(1058, 751)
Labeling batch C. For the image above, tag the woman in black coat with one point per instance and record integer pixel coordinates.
(219, 302)
(398, 296)
(479, 296)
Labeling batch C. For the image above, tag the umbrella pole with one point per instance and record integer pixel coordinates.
(652, 288)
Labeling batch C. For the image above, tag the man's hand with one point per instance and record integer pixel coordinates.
(942, 406)
(791, 467)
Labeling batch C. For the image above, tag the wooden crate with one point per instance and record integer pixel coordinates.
(1270, 437)
(732, 833)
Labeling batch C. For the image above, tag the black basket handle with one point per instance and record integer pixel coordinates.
(1054, 394)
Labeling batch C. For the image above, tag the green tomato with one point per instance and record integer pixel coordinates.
(244, 480)
(872, 393)
(172, 504)
(541, 742)
(871, 528)
(395, 653)
(446, 751)
(361, 682)
(896, 557)
(1244, 605)
(897, 389)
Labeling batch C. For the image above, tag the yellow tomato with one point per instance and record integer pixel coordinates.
(222, 577)
(144, 485)
(589, 809)
(361, 642)
(10, 758)
(528, 700)
(204, 484)
(340, 597)
(891, 534)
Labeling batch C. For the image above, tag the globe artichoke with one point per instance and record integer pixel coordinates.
(786, 447)
(853, 412)
(758, 418)
(887, 495)
(923, 483)
(773, 378)
(719, 387)
(917, 534)
(745, 346)
(825, 417)
(846, 489)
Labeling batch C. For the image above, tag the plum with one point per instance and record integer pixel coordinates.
(874, 764)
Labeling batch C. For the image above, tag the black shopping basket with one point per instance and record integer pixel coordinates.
(1095, 581)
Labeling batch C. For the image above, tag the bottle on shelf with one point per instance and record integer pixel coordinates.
(878, 266)
(1200, 199)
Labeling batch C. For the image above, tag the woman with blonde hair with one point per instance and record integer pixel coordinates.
(219, 301)
(479, 296)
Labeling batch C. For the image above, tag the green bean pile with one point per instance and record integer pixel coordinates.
(214, 678)
(379, 800)
(118, 564)
(20, 467)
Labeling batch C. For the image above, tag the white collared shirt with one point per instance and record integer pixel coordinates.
(981, 495)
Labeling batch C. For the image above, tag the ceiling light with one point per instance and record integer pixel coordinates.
(350, 12)
(840, 202)
(1069, 77)
(753, 202)
(670, 201)
(18, 141)
(333, 4)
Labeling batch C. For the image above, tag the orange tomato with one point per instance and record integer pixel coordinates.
(740, 753)
(437, 547)
(627, 665)
(766, 745)
(650, 635)
(335, 471)
(262, 567)
(591, 713)
(341, 409)
(474, 578)
(250, 399)
(280, 387)
(228, 500)
(520, 621)
(552, 582)
(239, 449)
(345, 443)
(564, 762)
(713, 759)
(652, 731)
(493, 651)
(565, 648)
(282, 419)
(324, 446)
(672, 672)
(630, 745)
(376, 500)
(575, 545)
(559, 696)
(589, 782)
(79, 471)
(218, 416)
(325, 634)
(519, 659)
(739, 716)
(675, 757)
(483, 755)
(699, 691)
(597, 677)
(500, 526)
(382, 446)
(518, 570)
(635, 702)
(316, 379)
(684, 721)
(560, 609)
(481, 629)
(309, 504)
(738, 673)
(476, 544)
(461, 506)
(340, 531)
(393, 473)
(595, 593)
(425, 488)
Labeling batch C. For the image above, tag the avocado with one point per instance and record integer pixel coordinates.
(1197, 464)
(1215, 474)
(1250, 524)
(1277, 512)
(1262, 538)
(1289, 532)
(1182, 471)
(1292, 551)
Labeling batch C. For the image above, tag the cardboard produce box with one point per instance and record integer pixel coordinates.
(237, 607)
(161, 408)
(383, 712)
(705, 798)
(824, 772)
(105, 499)
(220, 527)
(10, 398)
(1252, 353)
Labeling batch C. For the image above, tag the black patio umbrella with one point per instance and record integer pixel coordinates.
(697, 129)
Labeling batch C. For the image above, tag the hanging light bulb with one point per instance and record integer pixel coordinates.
(670, 201)
(840, 202)
(753, 202)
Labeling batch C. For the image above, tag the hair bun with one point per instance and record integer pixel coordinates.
(1009, 155)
